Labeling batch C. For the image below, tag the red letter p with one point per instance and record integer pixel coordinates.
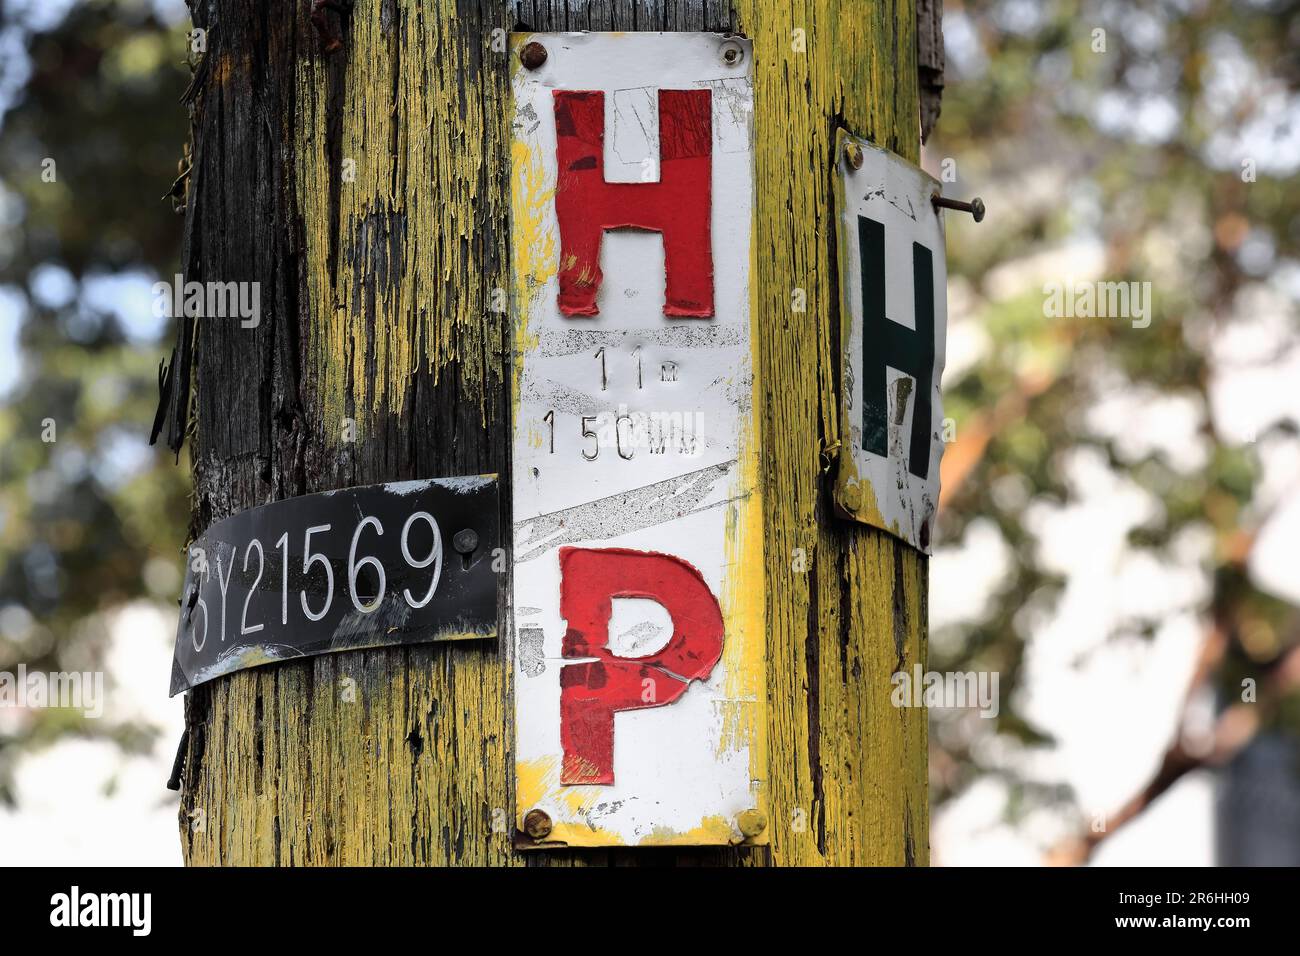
(592, 691)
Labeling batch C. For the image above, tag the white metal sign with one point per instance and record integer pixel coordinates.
(893, 303)
(638, 596)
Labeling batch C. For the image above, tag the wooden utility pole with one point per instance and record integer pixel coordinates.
(367, 191)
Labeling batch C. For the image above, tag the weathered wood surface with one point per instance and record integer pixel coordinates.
(376, 299)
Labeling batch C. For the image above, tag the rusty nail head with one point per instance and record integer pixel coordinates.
(532, 55)
(975, 207)
(465, 541)
(752, 822)
(853, 155)
(732, 53)
(925, 534)
(537, 824)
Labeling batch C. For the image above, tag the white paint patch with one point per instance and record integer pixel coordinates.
(638, 627)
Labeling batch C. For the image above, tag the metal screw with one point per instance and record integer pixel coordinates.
(975, 207)
(852, 496)
(532, 55)
(465, 541)
(853, 155)
(732, 53)
(537, 824)
(752, 822)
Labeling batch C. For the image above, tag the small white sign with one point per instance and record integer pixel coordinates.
(638, 556)
(893, 303)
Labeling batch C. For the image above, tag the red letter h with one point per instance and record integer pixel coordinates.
(678, 206)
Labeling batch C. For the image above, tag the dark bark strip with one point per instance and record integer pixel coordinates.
(929, 62)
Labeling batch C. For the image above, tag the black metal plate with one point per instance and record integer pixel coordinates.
(240, 609)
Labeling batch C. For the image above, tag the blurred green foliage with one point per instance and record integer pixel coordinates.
(1137, 155)
(95, 518)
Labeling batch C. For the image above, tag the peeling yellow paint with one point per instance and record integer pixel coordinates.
(534, 780)
(414, 149)
(536, 259)
(744, 723)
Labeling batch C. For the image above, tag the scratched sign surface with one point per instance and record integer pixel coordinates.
(893, 303)
(638, 658)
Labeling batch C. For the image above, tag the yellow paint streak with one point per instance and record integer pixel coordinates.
(404, 295)
(744, 722)
(711, 830)
(536, 258)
